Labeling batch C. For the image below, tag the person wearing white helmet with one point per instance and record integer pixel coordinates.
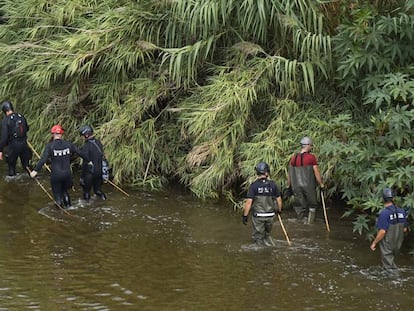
(391, 225)
(303, 177)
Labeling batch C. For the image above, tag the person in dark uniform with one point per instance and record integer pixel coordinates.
(14, 130)
(91, 171)
(391, 224)
(264, 200)
(302, 178)
(59, 153)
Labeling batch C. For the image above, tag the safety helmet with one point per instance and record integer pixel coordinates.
(387, 194)
(306, 141)
(262, 168)
(57, 129)
(86, 130)
(6, 106)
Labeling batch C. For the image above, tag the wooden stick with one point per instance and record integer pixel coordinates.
(324, 213)
(284, 230)
(38, 156)
(117, 187)
(48, 194)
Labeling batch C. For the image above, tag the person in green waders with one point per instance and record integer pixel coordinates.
(302, 180)
(391, 224)
(264, 201)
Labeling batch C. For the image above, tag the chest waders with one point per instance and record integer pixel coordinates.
(263, 213)
(391, 243)
(303, 184)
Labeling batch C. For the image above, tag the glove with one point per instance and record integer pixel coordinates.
(33, 174)
(244, 220)
(279, 212)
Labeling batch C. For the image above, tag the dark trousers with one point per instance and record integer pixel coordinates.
(89, 181)
(18, 148)
(60, 185)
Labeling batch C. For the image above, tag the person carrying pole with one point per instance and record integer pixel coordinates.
(59, 153)
(264, 201)
(301, 182)
(14, 130)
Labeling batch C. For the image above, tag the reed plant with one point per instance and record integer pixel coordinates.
(197, 92)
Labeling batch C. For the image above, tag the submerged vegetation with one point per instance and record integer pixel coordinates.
(197, 92)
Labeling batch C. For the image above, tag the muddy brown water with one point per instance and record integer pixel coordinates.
(169, 251)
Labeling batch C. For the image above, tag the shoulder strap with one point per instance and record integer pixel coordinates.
(96, 145)
(301, 159)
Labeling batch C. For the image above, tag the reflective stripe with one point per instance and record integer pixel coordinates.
(264, 214)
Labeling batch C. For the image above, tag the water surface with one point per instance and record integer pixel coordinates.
(168, 251)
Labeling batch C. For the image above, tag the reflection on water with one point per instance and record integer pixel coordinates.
(168, 251)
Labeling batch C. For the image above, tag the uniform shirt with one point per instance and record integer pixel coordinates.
(303, 159)
(93, 149)
(391, 215)
(263, 192)
(59, 152)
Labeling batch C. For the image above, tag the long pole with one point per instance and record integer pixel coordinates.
(38, 155)
(49, 195)
(324, 213)
(117, 187)
(284, 230)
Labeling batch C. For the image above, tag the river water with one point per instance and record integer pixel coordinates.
(168, 251)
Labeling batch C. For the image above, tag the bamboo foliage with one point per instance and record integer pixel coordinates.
(175, 87)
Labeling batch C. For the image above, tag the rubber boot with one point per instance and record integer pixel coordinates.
(268, 241)
(101, 195)
(311, 215)
(66, 200)
(58, 202)
(300, 217)
(12, 171)
(86, 196)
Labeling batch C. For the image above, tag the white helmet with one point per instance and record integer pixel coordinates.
(306, 141)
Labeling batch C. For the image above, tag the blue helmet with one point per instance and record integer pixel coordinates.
(387, 194)
(262, 168)
(86, 131)
(6, 106)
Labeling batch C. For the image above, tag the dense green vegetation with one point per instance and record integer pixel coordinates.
(197, 92)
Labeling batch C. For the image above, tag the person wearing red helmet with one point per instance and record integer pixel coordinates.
(59, 152)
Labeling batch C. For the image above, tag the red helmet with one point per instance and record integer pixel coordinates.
(57, 129)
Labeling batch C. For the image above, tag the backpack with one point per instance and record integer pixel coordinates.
(105, 164)
(18, 126)
(105, 169)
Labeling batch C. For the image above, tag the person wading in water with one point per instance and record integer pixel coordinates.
(264, 200)
(59, 153)
(391, 224)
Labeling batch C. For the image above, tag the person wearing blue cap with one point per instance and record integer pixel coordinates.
(391, 225)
